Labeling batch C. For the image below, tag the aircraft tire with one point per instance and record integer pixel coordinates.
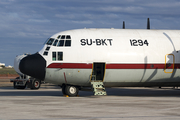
(36, 84)
(71, 91)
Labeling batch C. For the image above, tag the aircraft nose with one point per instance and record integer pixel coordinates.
(34, 66)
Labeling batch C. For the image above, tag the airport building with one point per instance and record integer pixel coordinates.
(2, 65)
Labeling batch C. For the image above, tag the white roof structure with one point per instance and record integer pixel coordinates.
(9, 66)
(2, 64)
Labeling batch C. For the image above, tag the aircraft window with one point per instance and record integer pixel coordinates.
(61, 43)
(55, 43)
(46, 41)
(45, 53)
(68, 43)
(47, 48)
(58, 36)
(60, 55)
(54, 56)
(51, 40)
(63, 37)
(68, 37)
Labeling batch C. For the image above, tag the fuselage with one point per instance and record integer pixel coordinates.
(118, 57)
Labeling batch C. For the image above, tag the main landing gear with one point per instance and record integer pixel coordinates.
(70, 90)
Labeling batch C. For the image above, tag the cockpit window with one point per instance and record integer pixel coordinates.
(61, 43)
(45, 53)
(54, 56)
(51, 40)
(63, 37)
(68, 43)
(55, 43)
(60, 56)
(65, 41)
(47, 48)
(68, 37)
(58, 36)
(46, 41)
(57, 56)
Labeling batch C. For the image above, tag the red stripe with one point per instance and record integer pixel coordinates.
(70, 65)
(112, 66)
(135, 66)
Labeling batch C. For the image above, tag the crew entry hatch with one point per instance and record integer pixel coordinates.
(98, 71)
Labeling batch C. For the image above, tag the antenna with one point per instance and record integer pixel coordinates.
(148, 23)
(123, 24)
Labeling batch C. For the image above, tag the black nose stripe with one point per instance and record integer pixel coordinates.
(34, 66)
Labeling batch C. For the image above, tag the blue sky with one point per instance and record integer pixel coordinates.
(26, 24)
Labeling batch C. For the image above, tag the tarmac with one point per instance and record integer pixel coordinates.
(121, 103)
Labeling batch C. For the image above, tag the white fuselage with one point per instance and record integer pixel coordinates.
(131, 57)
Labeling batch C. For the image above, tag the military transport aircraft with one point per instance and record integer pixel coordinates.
(100, 58)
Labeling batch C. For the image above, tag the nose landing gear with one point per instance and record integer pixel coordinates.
(70, 90)
(36, 84)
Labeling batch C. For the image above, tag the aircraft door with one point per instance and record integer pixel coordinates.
(169, 63)
(98, 71)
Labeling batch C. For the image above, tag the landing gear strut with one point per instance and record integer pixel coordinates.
(70, 90)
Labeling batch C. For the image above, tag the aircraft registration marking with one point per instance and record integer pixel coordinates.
(98, 42)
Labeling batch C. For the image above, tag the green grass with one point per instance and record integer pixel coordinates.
(7, 71)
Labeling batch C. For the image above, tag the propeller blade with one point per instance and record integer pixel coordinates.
(170, 40)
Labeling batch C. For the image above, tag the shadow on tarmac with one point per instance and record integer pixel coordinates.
(144, 92)
(131, 92)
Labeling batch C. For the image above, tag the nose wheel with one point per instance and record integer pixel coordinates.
(70, 90)
(36, 84)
